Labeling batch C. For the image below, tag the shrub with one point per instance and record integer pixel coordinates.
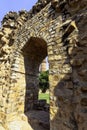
(43, 81)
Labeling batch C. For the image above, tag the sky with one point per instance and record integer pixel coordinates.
(14, 5)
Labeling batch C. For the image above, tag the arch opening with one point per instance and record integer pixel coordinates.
(34, 52)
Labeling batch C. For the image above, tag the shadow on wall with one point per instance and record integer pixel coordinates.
(68, 104)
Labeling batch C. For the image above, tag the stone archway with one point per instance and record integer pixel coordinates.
(63, 27)
(25, 70)
(34, 52)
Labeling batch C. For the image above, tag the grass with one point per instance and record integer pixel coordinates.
(44, 96)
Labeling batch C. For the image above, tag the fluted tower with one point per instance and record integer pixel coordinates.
(43, 66)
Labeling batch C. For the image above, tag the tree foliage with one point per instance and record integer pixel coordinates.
(43, 81)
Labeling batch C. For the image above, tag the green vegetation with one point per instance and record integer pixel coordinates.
(44, 85)
(44, 96)
(43, 81)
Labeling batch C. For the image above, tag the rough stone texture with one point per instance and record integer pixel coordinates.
(1, 128)
(18, 125)
(57, 29)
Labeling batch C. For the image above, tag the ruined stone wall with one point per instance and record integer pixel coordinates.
(59, 31)
(68, 83)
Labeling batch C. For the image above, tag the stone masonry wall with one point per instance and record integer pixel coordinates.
(70, 86)
(58, 30)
